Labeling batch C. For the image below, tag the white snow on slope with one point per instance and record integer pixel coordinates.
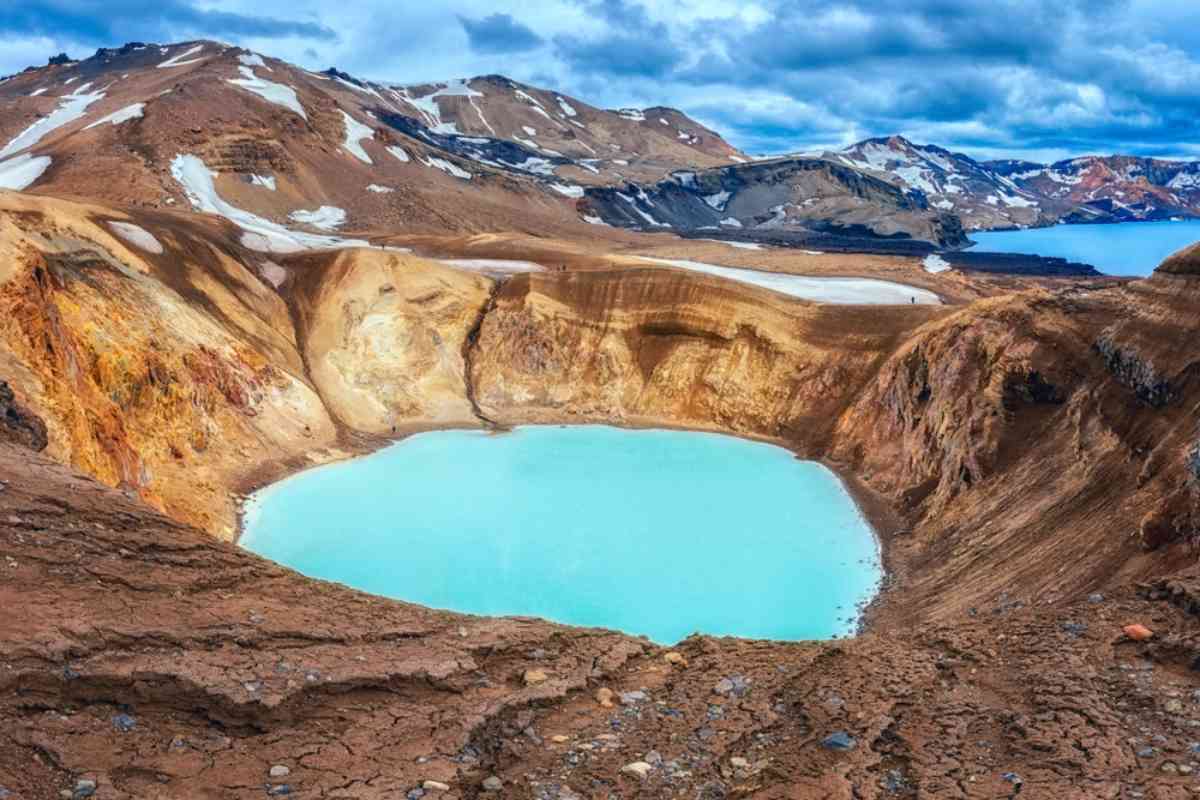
(717, 201)
(70, 108)
(259, 233)
(731, 222)
(377, 189)
(37, 92)
(632, 114)
(839, 291)
(253, 60)
(738, 245)
(492, 265)
(399, 152)
(935, 263)
(429, 108)
(175, 61)
(566, 107)
(529, 131)
(265, 181)
(137, 236)
(447, 167)
(270, 91)
(326, 218)
(123, 115)
(355, 133)
(568, 190)
(20, 172)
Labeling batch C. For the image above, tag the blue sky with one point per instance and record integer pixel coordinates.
(1014, 78)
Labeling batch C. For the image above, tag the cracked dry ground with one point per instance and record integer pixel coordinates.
(152, 661)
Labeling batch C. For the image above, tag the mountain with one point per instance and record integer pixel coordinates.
(267, 144)
(1013, 193)
(797, 196)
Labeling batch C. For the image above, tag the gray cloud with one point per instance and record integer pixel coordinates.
(499, 33)
(994, 77)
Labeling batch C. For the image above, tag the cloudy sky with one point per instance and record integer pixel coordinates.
(1033, 78)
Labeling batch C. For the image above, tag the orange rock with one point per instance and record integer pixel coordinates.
(1137, 632)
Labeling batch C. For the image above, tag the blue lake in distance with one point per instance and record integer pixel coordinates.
(652, 532)
(1127, 249)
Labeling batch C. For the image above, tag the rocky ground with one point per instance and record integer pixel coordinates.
(142, 658)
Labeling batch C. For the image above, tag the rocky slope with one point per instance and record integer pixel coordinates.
(801, 197)
(1007, 194)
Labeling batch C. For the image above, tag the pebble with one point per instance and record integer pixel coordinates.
(1145, 752)
(839, 741)
(124, 723)
(736, 685)
(4, 793)
(492, 784)
(1095, 598)
(435, 786)
(279, 771)
(535, 676)
(279, 790)
(1173, 707)
(638, 769)
(559, 739)
(604, 696)
(737, 762)
(633, 698)
(1012, 778)
(1139, 633)
(84, 787)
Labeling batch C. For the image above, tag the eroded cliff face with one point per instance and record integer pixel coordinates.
(384, 334)
(667, 347)
(164, 374)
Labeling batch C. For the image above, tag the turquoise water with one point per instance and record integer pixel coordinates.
(1129, 248)
(652, 532)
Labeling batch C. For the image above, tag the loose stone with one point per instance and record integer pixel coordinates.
(838, 741)
(279, 771)
(535, 676)
(638, 769)
(435, 786)
(604, 696)
(492, 784)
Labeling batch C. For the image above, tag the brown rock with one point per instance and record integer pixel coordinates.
(604, 696)
(1137, 632)
(535, 676)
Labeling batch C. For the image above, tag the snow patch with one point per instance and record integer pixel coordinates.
(265, 181)
(326, 218)
(717, 201)
(568, 190)
(935, 263)
(176, 62)
(566, 107)
(377, 189)
(492, 265)
(270, 91)
(20, 172)
(70, 108)
(447, 167)
(137, 236)
(840, 291)
(399, 152)
(252, 60)
(529, 131)
(731, 222)
(261, 234)
(632, 114)
(123, 115)
(355, 133)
